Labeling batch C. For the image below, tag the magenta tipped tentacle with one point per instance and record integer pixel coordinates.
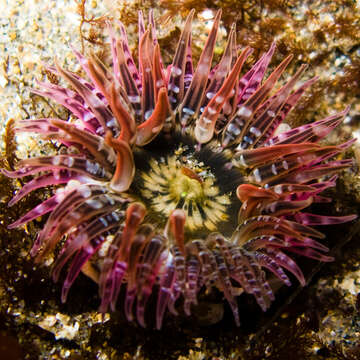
(71, 199)
(310, 132)
(289, 104)
(107, 220)
(269, 263)
(312, 219)
(286, 262)
(91, 208)
(165, 292)
(72, 101)
(205, 126)
(234, 132)
(80, 259)
(148, 271)
(180, 64)
(190, 106)
(78, 164)
(250, 82)
(39, 210)
(154, 228)
(57, 178)
(267, 113)
(97, 106)
(218, 74)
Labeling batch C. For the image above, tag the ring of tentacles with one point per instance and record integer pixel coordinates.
(174, 179)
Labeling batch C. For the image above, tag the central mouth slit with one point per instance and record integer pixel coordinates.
(174, 174)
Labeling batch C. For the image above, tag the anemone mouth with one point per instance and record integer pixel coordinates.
(172, 172)
(155, 205)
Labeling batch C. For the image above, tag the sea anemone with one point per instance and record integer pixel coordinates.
(171, 180)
